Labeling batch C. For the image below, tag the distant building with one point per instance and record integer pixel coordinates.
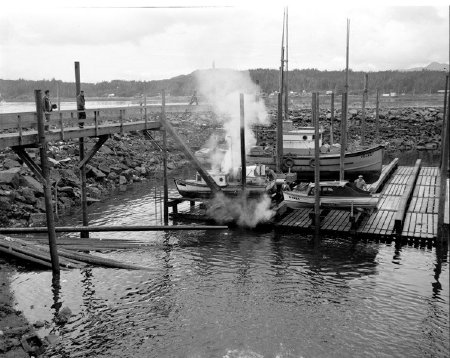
(111, 95)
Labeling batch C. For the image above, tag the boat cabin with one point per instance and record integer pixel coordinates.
(334, 188)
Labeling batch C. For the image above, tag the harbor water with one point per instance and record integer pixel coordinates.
(240, 293)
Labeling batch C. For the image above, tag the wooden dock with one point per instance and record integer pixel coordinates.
(418, 222)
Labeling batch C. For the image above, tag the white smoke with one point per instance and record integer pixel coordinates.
(222, 89)
(244, 211)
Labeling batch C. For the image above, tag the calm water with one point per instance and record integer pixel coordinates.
(241, 293)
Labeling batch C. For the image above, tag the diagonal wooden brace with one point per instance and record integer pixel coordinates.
(101, 140)
(36, 169)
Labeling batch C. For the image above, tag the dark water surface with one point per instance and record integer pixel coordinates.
(242, 293)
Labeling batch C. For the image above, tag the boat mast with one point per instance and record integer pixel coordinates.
(344, 110)
(279, 157)
(286, 91)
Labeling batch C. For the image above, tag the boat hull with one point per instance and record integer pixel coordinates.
(367, 162)
(194, 190)
(295, 201)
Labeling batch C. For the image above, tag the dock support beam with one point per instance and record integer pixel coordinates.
(47, 185)
(164, 139)
(442, 230)
(83, 234)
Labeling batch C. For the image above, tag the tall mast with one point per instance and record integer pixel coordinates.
(286, 94)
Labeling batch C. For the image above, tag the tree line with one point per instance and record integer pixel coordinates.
(300, 81)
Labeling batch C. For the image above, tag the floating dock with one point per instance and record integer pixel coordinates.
(408, 208)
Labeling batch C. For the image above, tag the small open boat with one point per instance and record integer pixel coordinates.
(257, 183)
(333, 194)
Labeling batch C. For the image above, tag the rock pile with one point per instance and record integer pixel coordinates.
(121, 161)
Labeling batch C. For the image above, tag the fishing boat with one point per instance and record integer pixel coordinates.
(333, 194)
(298, 156)
(257, 183)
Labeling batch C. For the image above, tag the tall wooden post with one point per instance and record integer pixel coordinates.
(332, 119)
(343, 137)
(315, 115)
(166, 186)
(442, 235)
(363, 115)
(242, 134)
(279, 159)
(46, 183)
(83, 167)
(377, 116)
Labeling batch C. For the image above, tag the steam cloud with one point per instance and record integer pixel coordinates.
(243, 211)
(221, 89)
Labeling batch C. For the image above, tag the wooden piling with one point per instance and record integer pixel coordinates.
(347, 55)
(377, 116)
(315, 115)
(332, 119)
(343, 136)
(442, 233)
(164, 140)
(242, 136)
(46, 184)
(363, 114)
(286, 91)
(84, 208)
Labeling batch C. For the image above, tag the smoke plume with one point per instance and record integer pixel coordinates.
(244, 211)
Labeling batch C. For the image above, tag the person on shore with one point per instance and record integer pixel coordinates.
(81, 106)
(360, 183)
(194, 99)
(47, 104)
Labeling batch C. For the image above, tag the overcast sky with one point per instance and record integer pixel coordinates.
(150, 40)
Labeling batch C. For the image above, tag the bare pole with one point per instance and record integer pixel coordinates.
(343, 138)
(242, 135)
(46, 184)
(332, 119)
(84, 210)
(286, 94)
(346, 68)
(315, 114)
(282, 62)
(442, 233)
(377, 116)
(363, 115)
(164, 138)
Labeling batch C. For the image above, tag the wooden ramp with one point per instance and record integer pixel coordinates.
(422, 215)
(381, 221)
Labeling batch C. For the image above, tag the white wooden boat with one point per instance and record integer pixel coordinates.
(333, 194)
(298, 156)
(257, 183)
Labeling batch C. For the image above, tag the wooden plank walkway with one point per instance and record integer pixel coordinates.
(421, 217)
(420, 221)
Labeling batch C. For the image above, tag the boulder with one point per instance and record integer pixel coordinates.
(11, 163)
(30, 182)
(104, 168)
(10, 177)
(38, 219)
(122, 180)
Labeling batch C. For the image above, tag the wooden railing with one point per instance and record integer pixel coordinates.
(18, 122)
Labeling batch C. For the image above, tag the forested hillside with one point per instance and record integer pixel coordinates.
(413, 82)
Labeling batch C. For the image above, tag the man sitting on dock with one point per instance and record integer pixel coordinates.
(360, 183)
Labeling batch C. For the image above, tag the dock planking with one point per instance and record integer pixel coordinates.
(420, 221)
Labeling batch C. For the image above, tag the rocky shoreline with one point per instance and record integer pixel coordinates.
(130, 158)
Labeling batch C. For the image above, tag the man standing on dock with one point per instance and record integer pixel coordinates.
(47, 104)
(81, 107)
